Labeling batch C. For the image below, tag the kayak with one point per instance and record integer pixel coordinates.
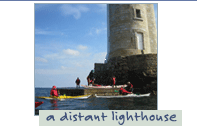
(117, 86)
(38, 104)
(63, 97)
(123, 96)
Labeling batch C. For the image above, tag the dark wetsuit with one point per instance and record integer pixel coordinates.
(129, 87)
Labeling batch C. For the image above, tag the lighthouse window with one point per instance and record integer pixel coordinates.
(138, 15)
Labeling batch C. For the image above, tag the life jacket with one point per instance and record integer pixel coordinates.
(128, 87)
(124, 91)
(54, 92)
(114, 81)
(77, 81)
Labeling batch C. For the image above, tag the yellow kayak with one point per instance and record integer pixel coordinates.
(62, 97)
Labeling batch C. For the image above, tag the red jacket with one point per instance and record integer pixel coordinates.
(124, 91)
(54, 92)
(114, 81)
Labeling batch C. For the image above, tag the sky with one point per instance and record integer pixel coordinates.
(69, 39)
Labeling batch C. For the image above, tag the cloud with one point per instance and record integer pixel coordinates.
(63, 67)
(52, 56)
(102, 7)
(71, 52)
(82, 47)
(40, 59)
(54, 71)
(42, 32)
(100, 30)
(74, 10)
(99, 57)
(47, 32)
(97, 31)
(63, 55)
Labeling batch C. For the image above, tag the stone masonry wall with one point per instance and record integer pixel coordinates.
(140, 70)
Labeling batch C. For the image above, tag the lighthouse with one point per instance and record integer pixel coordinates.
(131, 30)
(131, 46)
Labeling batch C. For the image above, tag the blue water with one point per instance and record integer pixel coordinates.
(141, 103)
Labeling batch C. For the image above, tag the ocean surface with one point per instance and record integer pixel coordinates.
(131, 103)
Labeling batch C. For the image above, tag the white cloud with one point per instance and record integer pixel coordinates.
(74, 10)
(63, 67)
(82, 47)
(102, 7)
(48, 32)
(52, 56)
(99, 57)
(62, 55)
(42, 32)
(71, 52)
(97, 31)
(53, 71)
(40, 59)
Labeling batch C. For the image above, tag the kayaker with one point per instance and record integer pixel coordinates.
(77, 82)
(123, 91)
(54, 91)
(129, 87)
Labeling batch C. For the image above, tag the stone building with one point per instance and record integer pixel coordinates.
(132, 45)
(131, 30)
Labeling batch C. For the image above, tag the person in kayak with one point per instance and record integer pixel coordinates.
(123, 91)
(129, 87)
(54, 91)
(77, 82)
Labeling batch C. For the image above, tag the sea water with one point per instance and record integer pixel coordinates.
(131, 103)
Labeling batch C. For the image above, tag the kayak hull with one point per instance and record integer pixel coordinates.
(118, 86)
(123, 96)
(63, 97)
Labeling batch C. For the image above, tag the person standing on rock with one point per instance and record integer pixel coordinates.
(88, 79)
(77, 82)
(92, 81)
(113, 81)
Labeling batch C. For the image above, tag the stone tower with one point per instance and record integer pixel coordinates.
(132, 46)
(131, 30)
